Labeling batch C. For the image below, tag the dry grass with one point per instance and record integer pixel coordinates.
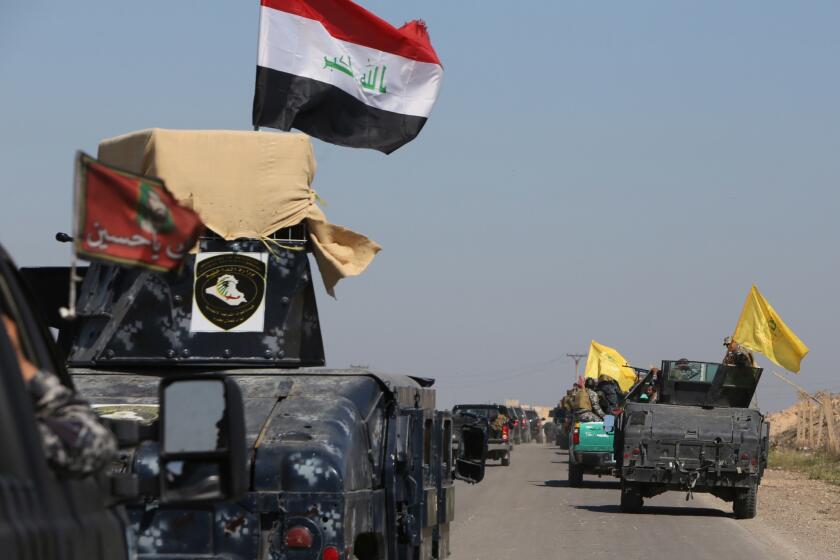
(817, 465)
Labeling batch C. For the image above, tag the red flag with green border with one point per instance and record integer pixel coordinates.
(130, 219)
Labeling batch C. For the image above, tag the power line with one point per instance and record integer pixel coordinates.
(499, 375)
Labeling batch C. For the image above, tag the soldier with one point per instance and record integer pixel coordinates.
(608, 387)
(587, 408)
(651, 393)
(499, 421)
(569, 405)
(737, 355)
(74, 440)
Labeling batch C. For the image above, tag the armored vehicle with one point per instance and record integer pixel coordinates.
(499, 445)
(341, 463)
(697, 434)
(47, 513)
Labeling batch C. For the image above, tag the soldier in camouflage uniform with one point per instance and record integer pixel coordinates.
(587, 407)
(737, 355)
(608, 387)
(74, 440)
(498, 422)
(569, 406)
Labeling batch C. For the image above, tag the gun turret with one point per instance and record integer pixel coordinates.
(244, 296)
(234, 303)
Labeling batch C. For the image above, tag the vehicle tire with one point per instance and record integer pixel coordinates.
(564, 441)
(575, 475)
(746, 502)
(631, 498)
(506, 459)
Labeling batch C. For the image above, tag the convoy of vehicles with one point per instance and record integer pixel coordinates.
(304, 462)
(688, 427)
(367, 451)
(371, 446)
(379, 462)
(311, 462)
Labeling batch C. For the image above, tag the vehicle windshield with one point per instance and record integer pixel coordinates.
(707, 384)
(683, 370)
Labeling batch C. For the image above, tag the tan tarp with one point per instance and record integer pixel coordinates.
(244, 184)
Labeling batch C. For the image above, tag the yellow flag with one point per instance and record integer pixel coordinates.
(760, 329)
(603, 360)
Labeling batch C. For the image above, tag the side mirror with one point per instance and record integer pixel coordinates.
(202, 440)
(472, 454)
(609, 423)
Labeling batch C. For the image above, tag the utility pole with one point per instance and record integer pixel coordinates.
(577, 358)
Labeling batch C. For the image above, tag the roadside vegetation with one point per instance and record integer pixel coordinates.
(817, 465)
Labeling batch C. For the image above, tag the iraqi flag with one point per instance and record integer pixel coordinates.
(339, 73)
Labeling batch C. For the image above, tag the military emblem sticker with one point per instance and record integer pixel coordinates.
(229, 292)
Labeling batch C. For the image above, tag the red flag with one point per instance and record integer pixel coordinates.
(130, 219)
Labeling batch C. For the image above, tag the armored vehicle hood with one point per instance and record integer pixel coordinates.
(306, 431)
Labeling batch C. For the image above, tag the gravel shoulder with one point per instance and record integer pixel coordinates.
(798, 515)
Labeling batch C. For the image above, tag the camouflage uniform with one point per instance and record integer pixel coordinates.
(593, 413)
(568, 403)
(74, 439)
(612, 393)
(596, 407)
(498, 422)
(738, 356)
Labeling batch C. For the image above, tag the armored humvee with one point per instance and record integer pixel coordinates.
(341, 463)
(700, 435)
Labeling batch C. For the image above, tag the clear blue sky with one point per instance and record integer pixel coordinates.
(622, 172)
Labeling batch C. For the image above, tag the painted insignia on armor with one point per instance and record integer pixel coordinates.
(229, 292)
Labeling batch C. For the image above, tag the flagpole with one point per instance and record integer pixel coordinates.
(259, 28)
(69, 312)
(797, 387)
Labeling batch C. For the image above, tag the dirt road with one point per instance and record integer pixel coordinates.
(528, 511)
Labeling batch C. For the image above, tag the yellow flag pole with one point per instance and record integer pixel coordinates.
(797, 387)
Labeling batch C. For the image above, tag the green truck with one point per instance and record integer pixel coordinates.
(591, 449)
